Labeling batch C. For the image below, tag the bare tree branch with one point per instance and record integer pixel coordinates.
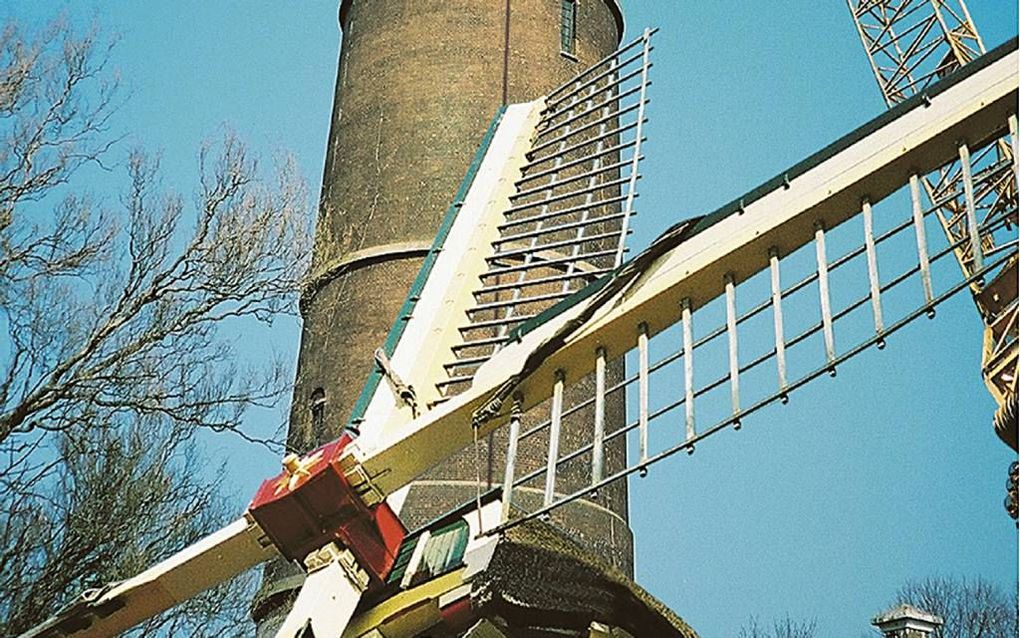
(972, 608)
(55, 104)
(114, 503)
(781, 628)
(121, 321)
(245, 257)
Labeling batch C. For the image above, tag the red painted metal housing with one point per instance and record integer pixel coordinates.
(458, 615)
(304, 511)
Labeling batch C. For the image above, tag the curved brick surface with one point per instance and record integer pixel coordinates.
(418, 83)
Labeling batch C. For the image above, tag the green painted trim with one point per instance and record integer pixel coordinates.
(407, 309)
(798, 169)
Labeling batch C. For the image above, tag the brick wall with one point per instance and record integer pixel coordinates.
(418, 83)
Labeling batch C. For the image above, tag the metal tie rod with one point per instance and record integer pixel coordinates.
(562, 211)
(545, 263)
(581, 274)
(572, 163)
(538, 190)
(582, 223)
(615, 54)
(558, 198)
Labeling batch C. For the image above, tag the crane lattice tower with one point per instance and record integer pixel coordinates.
(911, 44)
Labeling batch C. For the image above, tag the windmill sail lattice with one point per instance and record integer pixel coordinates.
(570, 214)
(707, 315)
(723, 316)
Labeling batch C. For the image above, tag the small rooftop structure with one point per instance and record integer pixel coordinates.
(906, 621)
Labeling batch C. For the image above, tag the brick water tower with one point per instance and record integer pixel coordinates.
(418, 84)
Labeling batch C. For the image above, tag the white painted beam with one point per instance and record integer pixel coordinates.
(975, 109)
(431, 332)
(213, 560)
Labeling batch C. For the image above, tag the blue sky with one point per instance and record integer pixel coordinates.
(818, 510)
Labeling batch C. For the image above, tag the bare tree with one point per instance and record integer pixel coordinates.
(112, 311)
(109, 313)
(781, 628)
(970, 608)
(117, 318)
(106, 506)
(56, 99)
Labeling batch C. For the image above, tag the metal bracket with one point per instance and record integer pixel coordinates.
(403, 391)
(334, 552)
(359, 480)
(329, 596)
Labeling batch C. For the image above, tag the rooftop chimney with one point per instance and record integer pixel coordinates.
(905, 621)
